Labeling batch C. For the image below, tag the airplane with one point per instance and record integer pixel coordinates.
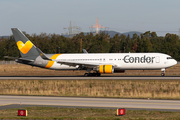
(99, 63)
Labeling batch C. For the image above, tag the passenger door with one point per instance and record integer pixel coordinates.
(157, 59)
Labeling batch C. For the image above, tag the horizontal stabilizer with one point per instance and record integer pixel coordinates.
(20, 60)
(10, 57)
(24, 59)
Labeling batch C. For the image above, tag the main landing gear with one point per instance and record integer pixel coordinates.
(162, 72)
(92, 74)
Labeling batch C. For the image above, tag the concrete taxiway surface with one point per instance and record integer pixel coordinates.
(87, 78)
(143, 104)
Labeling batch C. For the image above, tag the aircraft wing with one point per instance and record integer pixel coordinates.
(84, 64)
(75, 63)
(10, 57)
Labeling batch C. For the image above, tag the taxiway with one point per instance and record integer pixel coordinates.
(143, 104)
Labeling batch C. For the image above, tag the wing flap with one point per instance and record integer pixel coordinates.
(73, 63)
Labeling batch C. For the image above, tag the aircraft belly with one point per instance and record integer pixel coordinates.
(141, 66)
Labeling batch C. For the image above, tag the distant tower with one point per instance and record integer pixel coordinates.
(72, 30)
(97, 26)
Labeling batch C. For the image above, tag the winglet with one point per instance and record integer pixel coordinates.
(84, 50)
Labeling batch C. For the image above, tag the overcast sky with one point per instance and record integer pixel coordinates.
(51, 16)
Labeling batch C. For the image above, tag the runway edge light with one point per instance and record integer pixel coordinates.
(22, 112)
(120, 111)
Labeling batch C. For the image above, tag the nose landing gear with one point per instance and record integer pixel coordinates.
(163, 72)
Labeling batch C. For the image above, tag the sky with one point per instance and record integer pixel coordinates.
(51, 16)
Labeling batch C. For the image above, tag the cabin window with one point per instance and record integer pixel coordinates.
(169, 58)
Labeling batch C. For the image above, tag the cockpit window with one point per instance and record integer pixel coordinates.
(169, 58)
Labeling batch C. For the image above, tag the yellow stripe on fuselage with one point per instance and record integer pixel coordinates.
(50, 63)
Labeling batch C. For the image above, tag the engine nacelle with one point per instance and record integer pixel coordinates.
(109, 69)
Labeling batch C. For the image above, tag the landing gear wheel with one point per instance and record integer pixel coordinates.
(92, 74)
(162, 74)
(98, 74)
(86, 74)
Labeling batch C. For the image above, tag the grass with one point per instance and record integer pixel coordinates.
(153, 89)
(26, 70)
(87, 113)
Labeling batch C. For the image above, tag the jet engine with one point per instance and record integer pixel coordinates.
(105, 69)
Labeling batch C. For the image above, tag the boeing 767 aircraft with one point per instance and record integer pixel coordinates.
(106, 63)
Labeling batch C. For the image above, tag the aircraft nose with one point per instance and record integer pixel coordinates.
(174, 62)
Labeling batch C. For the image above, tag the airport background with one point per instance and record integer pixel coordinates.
(59, 26)
(97, 43)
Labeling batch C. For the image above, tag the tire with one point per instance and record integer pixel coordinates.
(98, 74)
(162, 74)
(86, 74)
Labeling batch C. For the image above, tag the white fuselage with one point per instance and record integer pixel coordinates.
(123, 61)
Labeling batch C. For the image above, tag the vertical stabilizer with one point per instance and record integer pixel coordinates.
(25, 46)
